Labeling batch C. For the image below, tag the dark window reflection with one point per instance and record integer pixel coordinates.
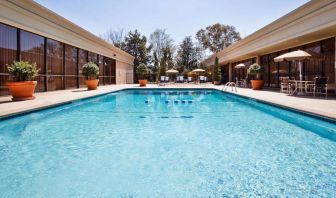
(32, 50)
(8, 53)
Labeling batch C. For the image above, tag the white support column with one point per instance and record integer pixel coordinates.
(230, 72)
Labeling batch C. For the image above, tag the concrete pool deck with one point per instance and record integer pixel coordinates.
(322, 106)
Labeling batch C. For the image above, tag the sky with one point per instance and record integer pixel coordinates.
(180, 18)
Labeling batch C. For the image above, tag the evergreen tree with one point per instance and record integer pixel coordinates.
(135, 44)
(216, 71)
(187, 55)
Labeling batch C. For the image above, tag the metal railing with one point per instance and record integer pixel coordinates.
(230, 84)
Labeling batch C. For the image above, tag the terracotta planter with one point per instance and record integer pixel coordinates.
(22, 90)
(143, 83)
(257, 84)
(92, 84)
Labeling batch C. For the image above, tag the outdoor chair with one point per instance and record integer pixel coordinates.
(201, 79)
(181, 79)
(239, 83)
(189, 79)
(177, 79)
(246, 82)
(166, 79)
(320, 86)
(162, 79)
(205, 79)
(285, 85)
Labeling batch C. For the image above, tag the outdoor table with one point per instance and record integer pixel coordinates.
(300, 86)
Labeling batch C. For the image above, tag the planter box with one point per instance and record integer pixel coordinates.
(22, 90)
(257, 84)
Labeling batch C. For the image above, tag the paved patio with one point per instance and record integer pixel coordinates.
(316, 105)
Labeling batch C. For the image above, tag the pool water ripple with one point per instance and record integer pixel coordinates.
(118, 145)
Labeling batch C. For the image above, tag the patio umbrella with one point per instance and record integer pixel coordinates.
(241, 65)
(197, 71)
(298, 55)
(172, 71)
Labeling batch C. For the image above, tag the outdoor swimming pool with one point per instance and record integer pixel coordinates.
(140, 143)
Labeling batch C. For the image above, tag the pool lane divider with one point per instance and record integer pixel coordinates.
(173, 101)
(302, 112)
(49, 106)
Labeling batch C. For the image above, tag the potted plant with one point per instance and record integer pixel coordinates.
(216, 73)
(91, 72)
(257, 71)
(22, 88)
(142, 73)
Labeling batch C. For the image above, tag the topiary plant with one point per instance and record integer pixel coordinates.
(90, 71)
(142, 71)
(216, 71)
(255, 70)
(23, 70)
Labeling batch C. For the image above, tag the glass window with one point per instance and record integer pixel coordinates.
(264, 64)
(70, 60)
(55, 65)
(241, 73)
(283, 66)
(113, 72)
(101, 69)
(8, 53)
(234, 71)
(3, 89)
(71, 67)
(8, 46)
(328, 50)
(107, 70)
(92, 57)
(273, 69)
(247, 64)
(313, 66)
(294, 66)
(32, 50)
(82, 59)
(225, 73)
(113, 69)
(55, 57)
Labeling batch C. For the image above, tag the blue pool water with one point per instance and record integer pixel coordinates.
(140, 143)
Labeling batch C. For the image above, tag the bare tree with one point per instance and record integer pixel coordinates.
(162, 46)
(115, 37)
(159, 41)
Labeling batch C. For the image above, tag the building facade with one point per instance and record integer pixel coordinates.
(311, 27)
(31, 32)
